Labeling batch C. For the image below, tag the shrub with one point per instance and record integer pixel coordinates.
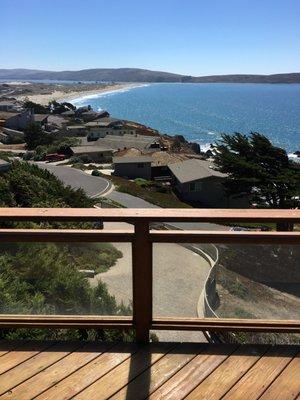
(95, 172)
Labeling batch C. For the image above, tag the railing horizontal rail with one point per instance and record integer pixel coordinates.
(166, 323)
(250, 237)
(64, 235)
(176, 236)
(65, 321)
(150, 215)
(228, 324)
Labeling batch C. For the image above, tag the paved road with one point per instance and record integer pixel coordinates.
(129, 201)
(92, 185)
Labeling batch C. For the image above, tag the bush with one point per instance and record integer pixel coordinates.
(84, 159)
(95, 172)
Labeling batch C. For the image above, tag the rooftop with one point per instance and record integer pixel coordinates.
(89, 149)
(7, 114)
(132, 160)
(40, 117)
(194, 169)
(3, 162)
(103, 122)
(126, 141)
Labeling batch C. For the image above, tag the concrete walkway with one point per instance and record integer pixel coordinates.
(178, 278)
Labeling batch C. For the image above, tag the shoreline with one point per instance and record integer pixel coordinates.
(95, 94)
(77, 96)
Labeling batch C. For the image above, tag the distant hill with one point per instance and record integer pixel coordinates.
(141, 75)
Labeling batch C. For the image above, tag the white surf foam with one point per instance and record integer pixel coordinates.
(83, 99)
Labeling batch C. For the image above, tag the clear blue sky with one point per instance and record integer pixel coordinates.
(194, 37)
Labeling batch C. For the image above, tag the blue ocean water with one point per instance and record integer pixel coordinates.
(201, 112)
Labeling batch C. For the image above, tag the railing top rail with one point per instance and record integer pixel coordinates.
(151, 215)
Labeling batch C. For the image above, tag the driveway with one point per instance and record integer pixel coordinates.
(129, 201)
(92, 185)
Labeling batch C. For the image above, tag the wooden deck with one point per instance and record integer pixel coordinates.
(65, 370)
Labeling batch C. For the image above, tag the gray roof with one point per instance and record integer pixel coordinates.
(104, 122)
(132, 160)
(194, 169)
(89, 149)
(3, 162)
(7, 102)
(40, 117)
(127, 141)
(7, 114)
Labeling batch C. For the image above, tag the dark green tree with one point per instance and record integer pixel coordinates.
(37, 108)
(34, 136)
(257, 168)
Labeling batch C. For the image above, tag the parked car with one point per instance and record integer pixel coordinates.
(55, 157)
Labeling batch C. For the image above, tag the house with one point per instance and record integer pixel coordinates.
(107, 126)
(133, 167)
(197, 181)
(41, 119)
(10, 105)
(16, 120)
(94, 153)
(124, 142)
(12, 136)
(76, 130)
(4, 166)
(69, 113)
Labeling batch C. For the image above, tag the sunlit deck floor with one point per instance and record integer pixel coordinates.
(47, 370)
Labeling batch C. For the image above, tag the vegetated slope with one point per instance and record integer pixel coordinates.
(45, 278)
(143, 75)
(275, 266)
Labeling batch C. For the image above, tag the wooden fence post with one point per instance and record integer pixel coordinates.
(142, 280)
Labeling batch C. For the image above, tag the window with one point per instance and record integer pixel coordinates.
(195, 186)
(140, 165)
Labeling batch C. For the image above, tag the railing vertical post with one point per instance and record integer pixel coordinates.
(142, 280)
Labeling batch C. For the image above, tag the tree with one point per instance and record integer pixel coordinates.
(37, 108)
(259, 169)
(34, 136)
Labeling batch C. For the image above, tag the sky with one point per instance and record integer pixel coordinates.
(191, 37)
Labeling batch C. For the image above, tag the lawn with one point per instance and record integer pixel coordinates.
(164, 200)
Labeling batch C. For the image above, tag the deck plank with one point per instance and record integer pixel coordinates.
(228, 373)
(168, 371)
(287, 385)
(262, 374)
(151, 379)
(105, 364)
(191, 375)
(21, 354)
(34, 365)
(124, 373)
(55, 373)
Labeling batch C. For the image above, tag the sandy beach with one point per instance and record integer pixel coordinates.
(65, 95)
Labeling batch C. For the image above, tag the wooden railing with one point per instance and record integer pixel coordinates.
(142, 238)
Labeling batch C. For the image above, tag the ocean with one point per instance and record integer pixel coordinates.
(201, 112)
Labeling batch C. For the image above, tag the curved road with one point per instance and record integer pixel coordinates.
(179, 273)
(92, 185)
